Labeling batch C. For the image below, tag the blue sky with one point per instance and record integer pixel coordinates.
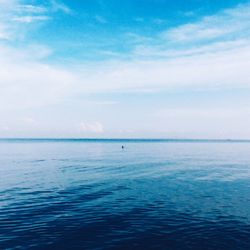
(141, 68)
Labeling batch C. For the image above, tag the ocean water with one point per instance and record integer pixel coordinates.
(83, 194)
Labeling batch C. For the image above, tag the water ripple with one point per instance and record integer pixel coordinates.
(149, 196)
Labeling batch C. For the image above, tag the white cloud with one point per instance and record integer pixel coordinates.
(223, 63)
(30, 19)
(201, 31)
(93, 127)
(208, 49)
(26, 8)
(27, 82)
(57, 5)
(36, 83)
(15, 13)
(221, 25)
(229, 67)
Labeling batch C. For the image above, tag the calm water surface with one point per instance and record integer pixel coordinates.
(151, 195)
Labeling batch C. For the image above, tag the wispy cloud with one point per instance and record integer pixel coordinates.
(228, 24)
(14, 13)
(210, 34)
(224, 25)
(30, 19)
(213, 52)
(57, 5)
(28, 8)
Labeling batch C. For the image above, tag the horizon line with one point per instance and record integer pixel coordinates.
(136, 139)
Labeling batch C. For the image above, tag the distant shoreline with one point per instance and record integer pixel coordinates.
(124, 140)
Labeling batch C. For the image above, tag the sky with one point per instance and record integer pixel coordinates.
(125, 69)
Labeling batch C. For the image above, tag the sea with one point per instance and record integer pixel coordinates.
(151, 194)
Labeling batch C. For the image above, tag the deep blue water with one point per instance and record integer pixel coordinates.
(151, 195)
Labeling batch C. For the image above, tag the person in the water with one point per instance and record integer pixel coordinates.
(123, 147)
